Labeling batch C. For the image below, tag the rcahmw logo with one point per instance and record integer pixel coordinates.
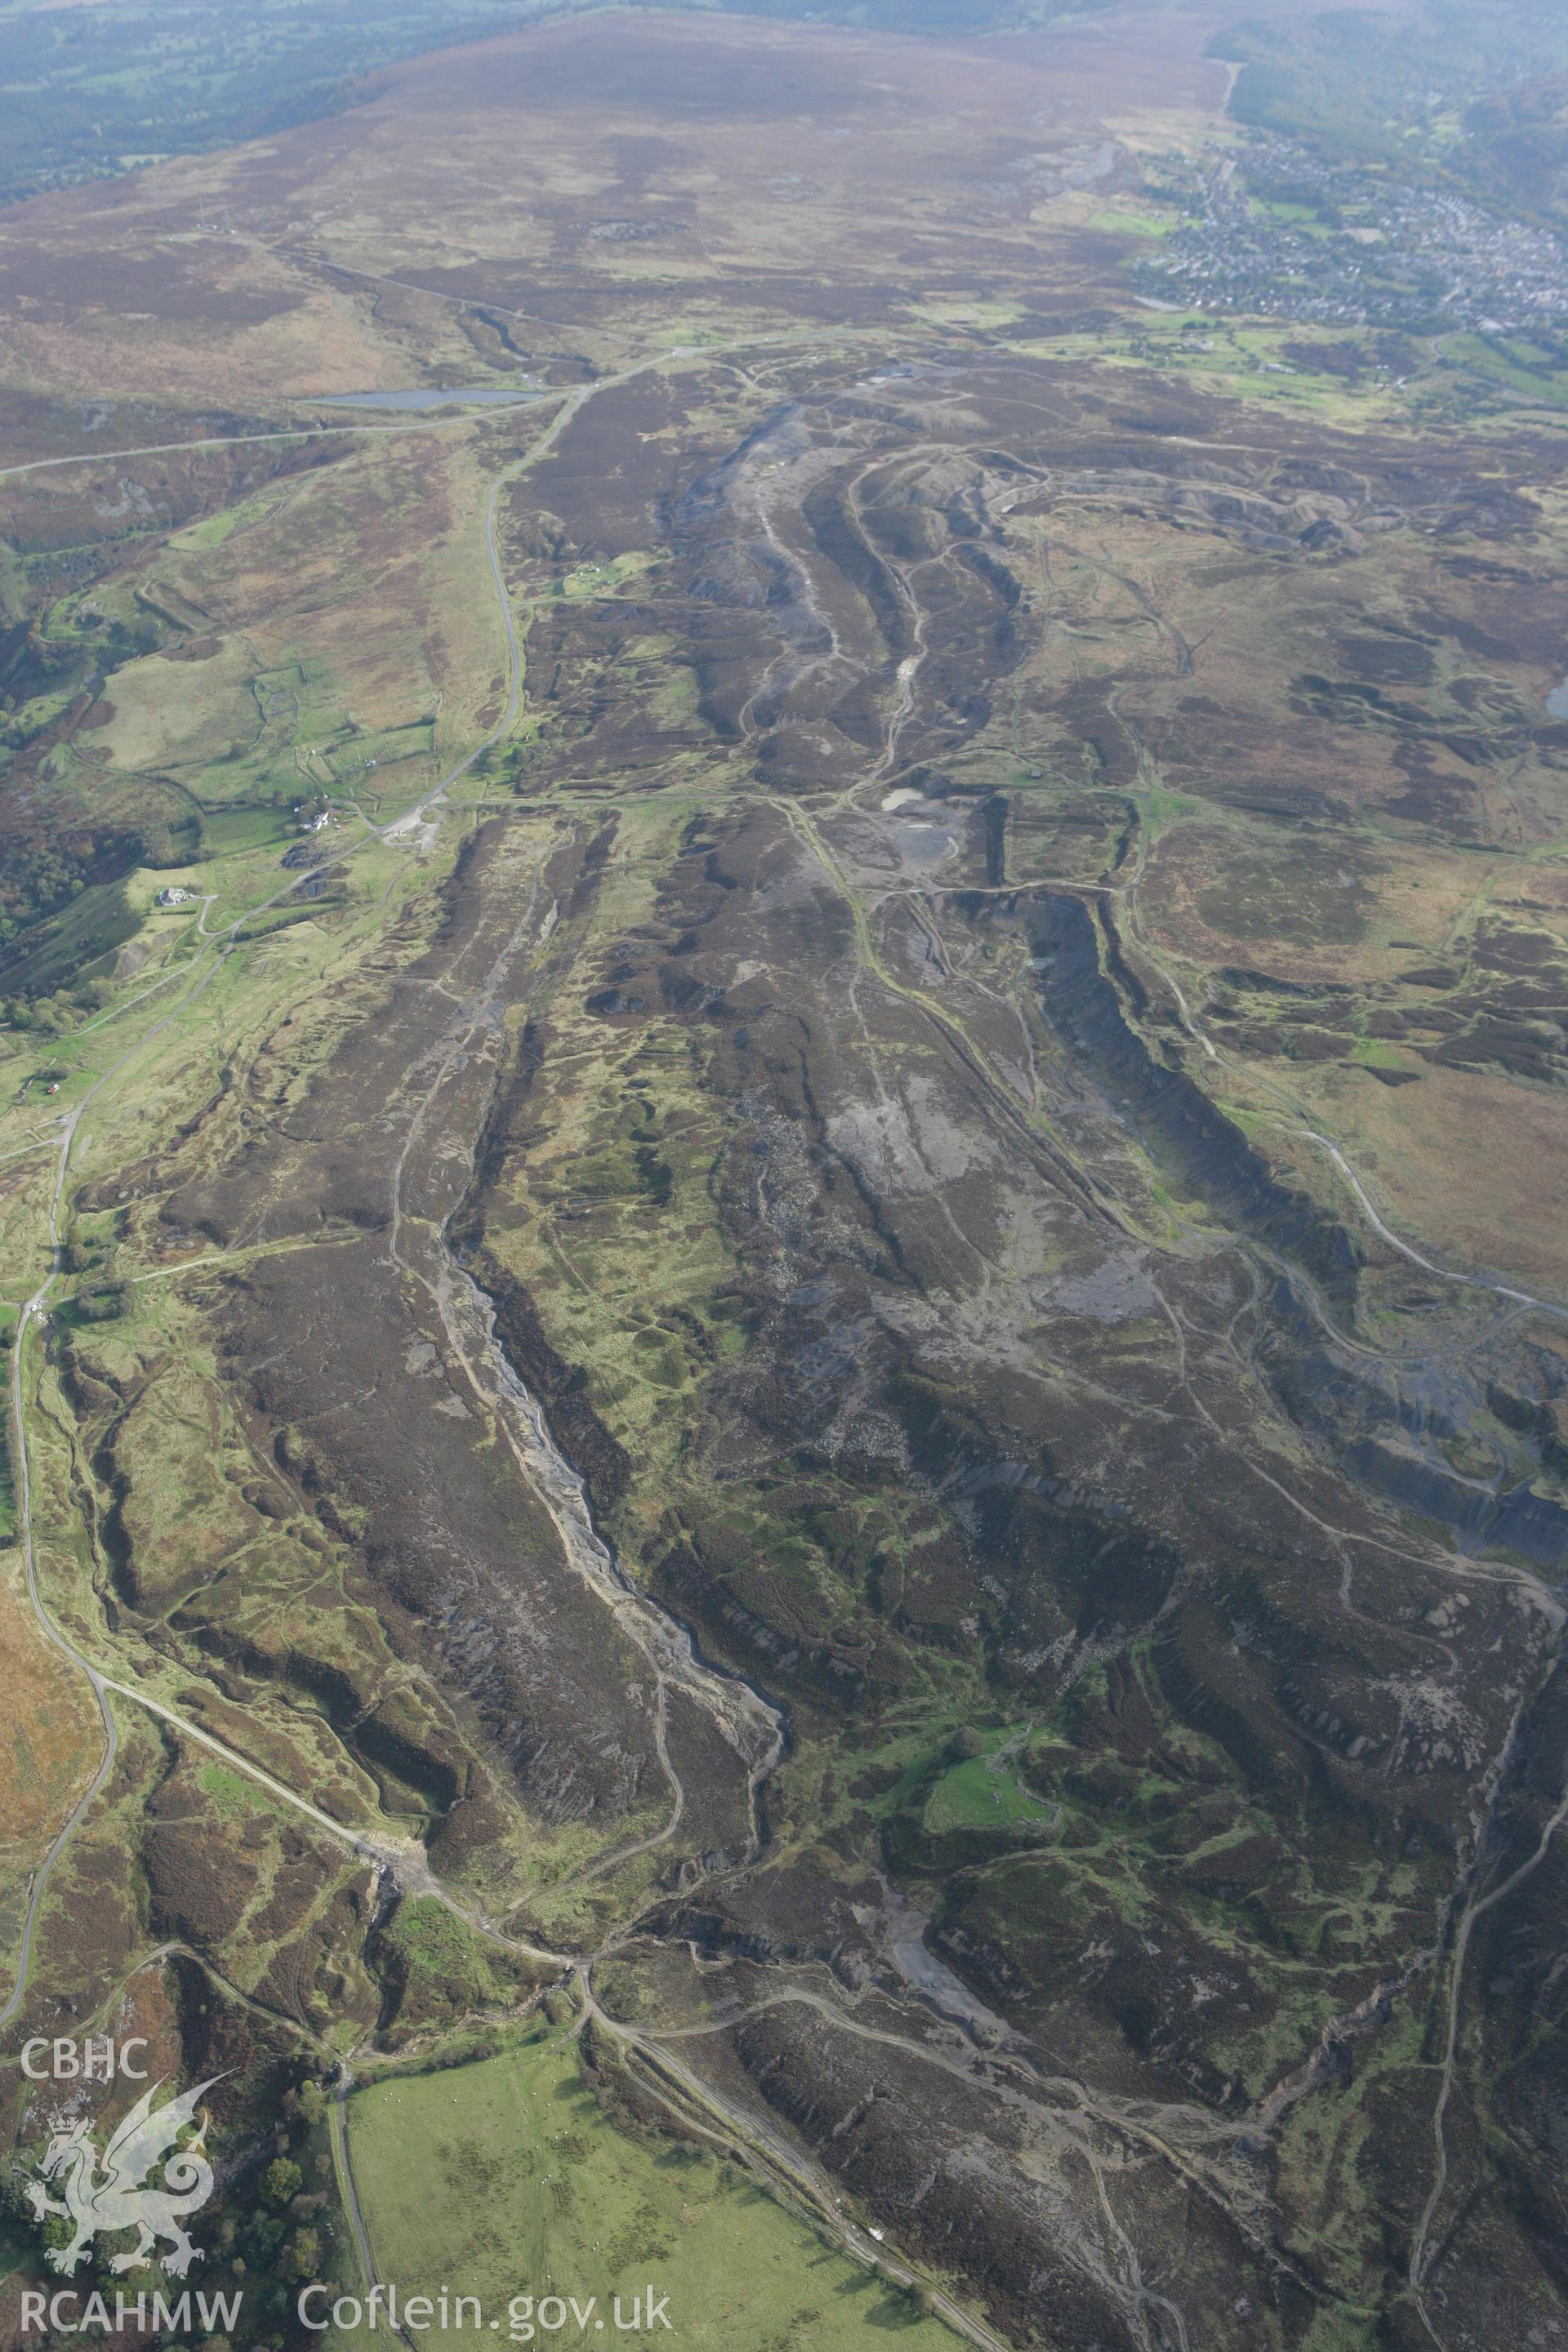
(97, 2059)
(105, 2193)
(67, 2313)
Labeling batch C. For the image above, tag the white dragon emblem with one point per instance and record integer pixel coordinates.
(104, 2193)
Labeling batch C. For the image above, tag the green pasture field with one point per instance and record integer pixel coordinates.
(985, 1792)
(505, 2179)
(1121, 222)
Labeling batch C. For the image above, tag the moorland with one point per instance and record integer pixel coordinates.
(782, 1193)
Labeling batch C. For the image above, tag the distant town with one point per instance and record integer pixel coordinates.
(1278, 230)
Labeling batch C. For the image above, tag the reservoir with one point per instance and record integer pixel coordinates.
(426, 396)
(1557, 701)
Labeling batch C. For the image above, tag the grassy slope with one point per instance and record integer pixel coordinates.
(503, 2178)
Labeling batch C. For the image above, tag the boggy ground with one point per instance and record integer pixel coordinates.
(748, 1351)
